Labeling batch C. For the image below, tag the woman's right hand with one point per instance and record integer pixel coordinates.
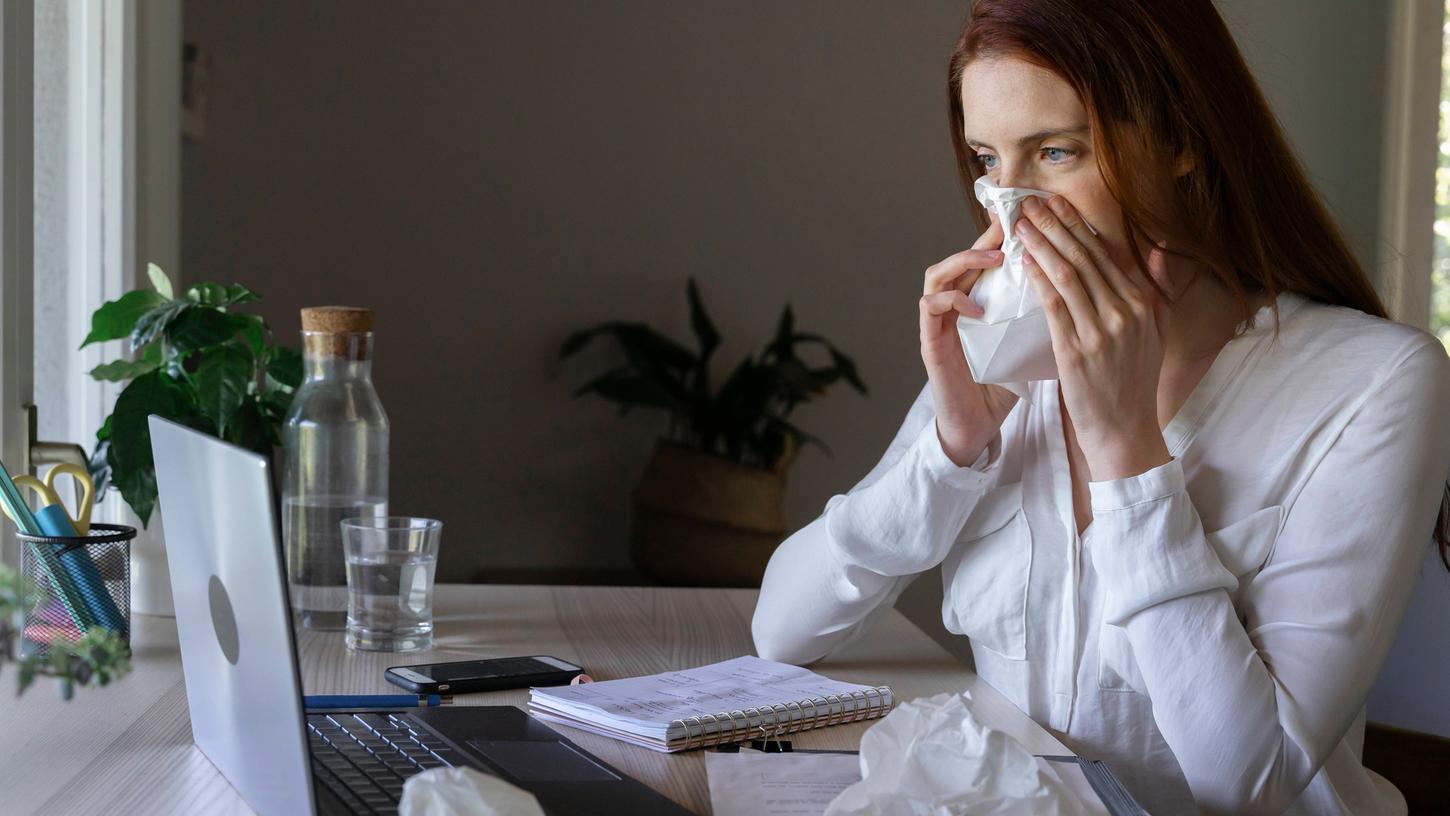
(968, 413)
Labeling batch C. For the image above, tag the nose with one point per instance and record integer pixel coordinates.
(1016, 174)
(1014, 177)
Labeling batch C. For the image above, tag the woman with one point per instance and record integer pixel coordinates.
(1188, 555)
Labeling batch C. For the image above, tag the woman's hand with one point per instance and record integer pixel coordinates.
(1106, 329)
(968, 413)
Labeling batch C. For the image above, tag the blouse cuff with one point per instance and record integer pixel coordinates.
(1150, 485)
(1151, 547)
(976, 476)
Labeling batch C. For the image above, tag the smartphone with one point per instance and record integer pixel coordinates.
(494, 674)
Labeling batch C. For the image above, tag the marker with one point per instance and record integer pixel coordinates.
(351, 701)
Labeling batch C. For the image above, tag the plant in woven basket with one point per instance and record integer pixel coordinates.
(746, 418)
(709, 508)
(198, 363)
(99, 657)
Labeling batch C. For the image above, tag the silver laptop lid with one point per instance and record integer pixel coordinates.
(232, 616)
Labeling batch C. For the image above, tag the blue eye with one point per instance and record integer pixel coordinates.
(1061, 150)
(982, 159)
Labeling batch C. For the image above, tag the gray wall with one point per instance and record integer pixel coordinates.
(492, 176)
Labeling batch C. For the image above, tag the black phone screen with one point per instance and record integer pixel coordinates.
(484, 669)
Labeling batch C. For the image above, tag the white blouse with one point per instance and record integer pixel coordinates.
(1215, 631)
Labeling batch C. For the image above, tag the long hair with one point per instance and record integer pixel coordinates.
(1162, 81)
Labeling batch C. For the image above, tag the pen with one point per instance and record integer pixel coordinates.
(319, 701)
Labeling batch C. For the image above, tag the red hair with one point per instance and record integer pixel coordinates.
(1164, 81)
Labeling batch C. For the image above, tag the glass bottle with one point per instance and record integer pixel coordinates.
(336, 444)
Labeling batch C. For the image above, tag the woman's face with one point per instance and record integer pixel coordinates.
(1028, 129)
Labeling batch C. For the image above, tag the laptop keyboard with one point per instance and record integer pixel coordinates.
(365, 758)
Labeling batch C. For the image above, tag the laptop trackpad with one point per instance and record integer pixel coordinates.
(541, 761)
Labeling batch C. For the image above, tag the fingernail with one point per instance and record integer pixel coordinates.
(1058, 204)
(1022, 228)
(1030, 204)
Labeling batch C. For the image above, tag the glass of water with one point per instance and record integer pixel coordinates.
(390, 564)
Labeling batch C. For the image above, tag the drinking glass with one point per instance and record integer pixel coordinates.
(390, 564)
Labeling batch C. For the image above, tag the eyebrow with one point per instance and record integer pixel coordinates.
(1036, 137)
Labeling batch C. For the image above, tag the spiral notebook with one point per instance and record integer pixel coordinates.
(735, 700)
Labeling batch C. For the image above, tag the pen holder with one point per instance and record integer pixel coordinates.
(85, 583)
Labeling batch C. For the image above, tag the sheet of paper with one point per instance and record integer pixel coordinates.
(754, 783)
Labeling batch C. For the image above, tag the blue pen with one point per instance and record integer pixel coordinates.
(54, 522)
(319, 701)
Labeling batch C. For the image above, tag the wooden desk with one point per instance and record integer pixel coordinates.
(128, 749)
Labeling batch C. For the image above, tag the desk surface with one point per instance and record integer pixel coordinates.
(128, 749)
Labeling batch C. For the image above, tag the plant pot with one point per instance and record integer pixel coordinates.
(150, 574)
(703, 520)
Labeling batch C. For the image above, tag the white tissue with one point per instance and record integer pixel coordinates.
(1010, 343)
(450, 791)
(931, 756)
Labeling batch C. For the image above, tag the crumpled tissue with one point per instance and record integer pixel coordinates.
(1010, 343)
(450, 791)
(931, 757)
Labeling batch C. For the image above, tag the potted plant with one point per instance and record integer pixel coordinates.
(199, 363)
(709, 508)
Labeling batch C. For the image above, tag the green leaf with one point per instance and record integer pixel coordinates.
(122, 370)
(132, 468)
(284, 364)
(843, 364)
(793, 381)
(847, 367)
(153, 323)
(160, 281)
(250, 429)
(275, 403)
(237, 293)
(628, 388)
(707, 337)
(117, 318)
(199, 329)
(100, 465)
(207, 294)
(784, 346)
(700, 322)
(646, 347)
(222, 378)
(254, 328)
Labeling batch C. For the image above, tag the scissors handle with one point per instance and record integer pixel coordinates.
(82, 518)
(27, 482)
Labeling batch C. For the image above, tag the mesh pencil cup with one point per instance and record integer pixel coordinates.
(84, 583)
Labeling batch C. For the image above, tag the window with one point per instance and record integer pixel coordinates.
(1440, 268)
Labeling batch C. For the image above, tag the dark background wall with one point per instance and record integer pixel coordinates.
(492, 176)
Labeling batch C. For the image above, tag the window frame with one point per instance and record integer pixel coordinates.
(1410, 157)
(17, 124)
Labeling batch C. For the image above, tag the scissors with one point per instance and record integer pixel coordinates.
(48, 495)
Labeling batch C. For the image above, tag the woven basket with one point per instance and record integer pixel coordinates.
(703, 520)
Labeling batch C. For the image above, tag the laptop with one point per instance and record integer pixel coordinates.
(244, 690)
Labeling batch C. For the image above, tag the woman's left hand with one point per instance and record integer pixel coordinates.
(1106, 327)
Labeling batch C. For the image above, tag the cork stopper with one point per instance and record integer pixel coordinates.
(337, 331)
(337, 319)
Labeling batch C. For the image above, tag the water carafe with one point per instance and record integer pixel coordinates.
(336, 443)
